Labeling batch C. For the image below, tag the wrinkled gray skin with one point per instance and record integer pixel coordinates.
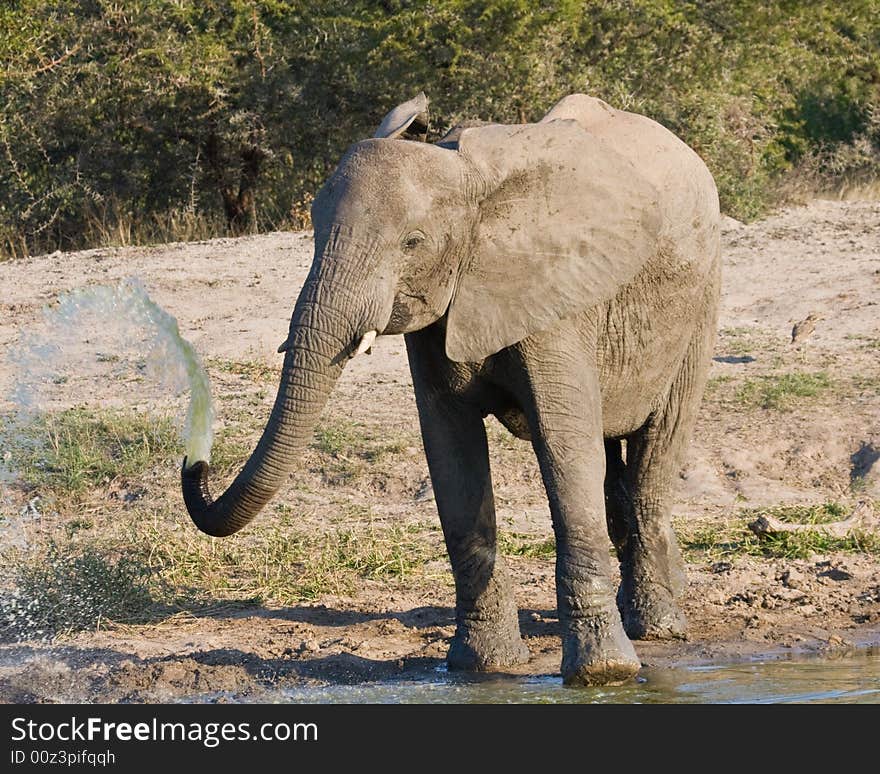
(563, 276)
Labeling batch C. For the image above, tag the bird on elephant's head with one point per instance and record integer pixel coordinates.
(500, 252)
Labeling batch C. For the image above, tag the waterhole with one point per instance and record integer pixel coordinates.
(853, 678)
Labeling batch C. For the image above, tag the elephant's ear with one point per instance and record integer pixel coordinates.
(408, 121)
(565, 221)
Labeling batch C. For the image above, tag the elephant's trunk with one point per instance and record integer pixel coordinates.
(301, 396)
(331, 319)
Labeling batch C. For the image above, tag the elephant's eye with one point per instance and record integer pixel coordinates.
(413, 240)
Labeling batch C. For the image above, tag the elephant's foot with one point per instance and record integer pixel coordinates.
(486, 648)
(650, 612)
(651, 583)
(597, 652)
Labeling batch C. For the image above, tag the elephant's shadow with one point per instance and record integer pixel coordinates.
(533, 623)
(349, 668)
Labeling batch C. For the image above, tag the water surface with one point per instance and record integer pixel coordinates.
(852, 679)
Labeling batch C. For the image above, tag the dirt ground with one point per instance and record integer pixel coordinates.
(752, 449)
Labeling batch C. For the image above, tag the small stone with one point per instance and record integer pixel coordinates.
(793, 579)
(791, 594)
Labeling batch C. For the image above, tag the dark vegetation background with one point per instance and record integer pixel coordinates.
(136, 121)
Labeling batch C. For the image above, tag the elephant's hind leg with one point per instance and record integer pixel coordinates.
(652, 571)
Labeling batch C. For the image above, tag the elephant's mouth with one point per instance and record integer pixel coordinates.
(401, 316)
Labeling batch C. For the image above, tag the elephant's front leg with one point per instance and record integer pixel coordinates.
(487, 632)
(563, 403)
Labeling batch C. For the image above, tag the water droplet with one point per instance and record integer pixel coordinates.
(101, 338)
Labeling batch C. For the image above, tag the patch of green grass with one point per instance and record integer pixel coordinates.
(228, 453)
(500, 437)
(379, 450)
(351, 448)
(523, 544)
(782, 392)
(737, 341)
(78, 449)
(375, 553)
(720, 541)
(715, 384)
(822, 513)
(337, 437)
(280, 565)
(803, 545)
(66, 588)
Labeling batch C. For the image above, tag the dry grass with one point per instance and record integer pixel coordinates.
(93, 559)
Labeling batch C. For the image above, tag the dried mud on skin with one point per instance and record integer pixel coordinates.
(757, 444)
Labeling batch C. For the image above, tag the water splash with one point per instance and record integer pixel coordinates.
(115, 345)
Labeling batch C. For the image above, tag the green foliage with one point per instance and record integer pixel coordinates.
(349, 450)
(124, 121)
(282, 565)
(335, 438)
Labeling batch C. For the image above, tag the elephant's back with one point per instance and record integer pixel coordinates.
(656, 152)
(687, 193)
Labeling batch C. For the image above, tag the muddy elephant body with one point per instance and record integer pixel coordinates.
(562, 276)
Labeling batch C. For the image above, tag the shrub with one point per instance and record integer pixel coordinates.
(144, 121)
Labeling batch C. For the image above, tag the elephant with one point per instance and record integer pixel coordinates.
(562, 276)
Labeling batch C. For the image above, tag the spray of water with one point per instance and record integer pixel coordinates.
(102, 338)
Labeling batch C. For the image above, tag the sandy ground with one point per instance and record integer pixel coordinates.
(233, 298)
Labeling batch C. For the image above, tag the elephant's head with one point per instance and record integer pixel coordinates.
(502, 230)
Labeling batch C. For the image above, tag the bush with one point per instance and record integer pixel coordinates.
(143, 121)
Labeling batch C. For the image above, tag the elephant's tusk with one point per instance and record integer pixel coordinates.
(366, 343)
